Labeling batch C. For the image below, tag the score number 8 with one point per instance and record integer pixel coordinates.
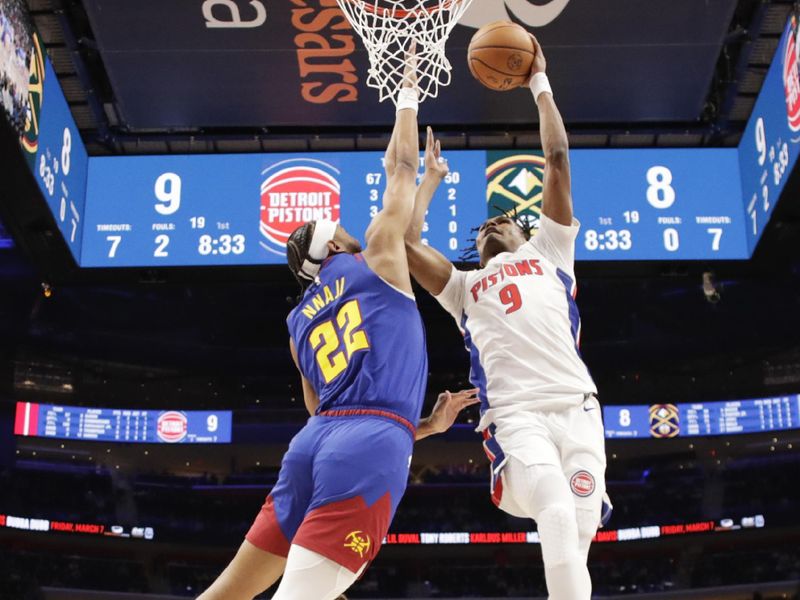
(660, 193)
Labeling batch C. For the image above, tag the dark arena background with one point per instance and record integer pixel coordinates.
(154, 157)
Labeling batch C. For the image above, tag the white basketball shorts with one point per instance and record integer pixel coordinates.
(572, 439)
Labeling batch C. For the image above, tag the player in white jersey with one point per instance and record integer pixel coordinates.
(540, 419)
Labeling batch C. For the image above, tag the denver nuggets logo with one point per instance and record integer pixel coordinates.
(30, 137)
(664, 421)
(514, 185)
(294, 192)
(358, 542)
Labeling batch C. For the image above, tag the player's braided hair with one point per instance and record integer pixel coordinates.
(297, 248)
(471, 254)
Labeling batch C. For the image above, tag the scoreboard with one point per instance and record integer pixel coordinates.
(240, 209)
(216, 210)
(122, 425)
(702, 418)
(771, 142)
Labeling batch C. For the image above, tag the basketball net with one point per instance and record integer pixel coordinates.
(387, 28)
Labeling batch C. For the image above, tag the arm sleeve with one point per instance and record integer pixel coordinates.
(452, 296)
(557, 242)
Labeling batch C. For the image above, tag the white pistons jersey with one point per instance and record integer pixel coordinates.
(521, 325)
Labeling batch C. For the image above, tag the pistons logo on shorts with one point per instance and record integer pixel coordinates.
(582, 484)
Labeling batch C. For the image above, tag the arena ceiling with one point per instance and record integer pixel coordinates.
(239, 76)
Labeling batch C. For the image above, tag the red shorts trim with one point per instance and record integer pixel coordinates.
(348, 532)
(370, 412)
(266, 533)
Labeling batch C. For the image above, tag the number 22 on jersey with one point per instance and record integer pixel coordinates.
(328, 337)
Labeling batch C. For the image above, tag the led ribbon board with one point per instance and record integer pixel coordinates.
(702, 418)
(123, 425)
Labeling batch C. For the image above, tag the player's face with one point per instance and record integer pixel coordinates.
(346, 242)
(496, 235)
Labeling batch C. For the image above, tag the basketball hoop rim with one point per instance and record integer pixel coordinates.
(370, 6)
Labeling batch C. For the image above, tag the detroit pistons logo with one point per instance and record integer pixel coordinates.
(791, 77)
(294, 192)
(582, 484)
(172, 426)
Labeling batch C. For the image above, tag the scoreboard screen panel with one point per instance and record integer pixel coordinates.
(702, 418)
(240, 209)
(771, 142)
(123, 425)
(191, 210)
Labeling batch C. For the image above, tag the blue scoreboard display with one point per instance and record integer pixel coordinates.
(54, 149)
(702, 418)
(123, 425)
(771, 142)
(655, 204)
(218, 210)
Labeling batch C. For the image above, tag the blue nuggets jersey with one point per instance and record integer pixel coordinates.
(360, 342)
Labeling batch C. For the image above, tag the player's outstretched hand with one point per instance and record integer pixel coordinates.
(435, 163)
(447, 407)
(539, 61)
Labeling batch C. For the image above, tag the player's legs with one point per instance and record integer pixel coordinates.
(311, 575)
(584, 466)
(250, 572)
(261, 559)
(543, 491)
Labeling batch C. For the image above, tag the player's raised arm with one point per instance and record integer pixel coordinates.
(557, 192)
(385, 251)
(429, 267)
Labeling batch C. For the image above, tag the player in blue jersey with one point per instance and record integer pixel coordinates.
(358, 341)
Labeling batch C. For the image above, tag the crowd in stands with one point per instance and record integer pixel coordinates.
(15, 51)
(495, 575)
(213, 511)
(186, 509)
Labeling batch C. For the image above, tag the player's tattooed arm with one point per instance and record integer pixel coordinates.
(557, 191)
(444, 413)
(430, 268)
(310, 398)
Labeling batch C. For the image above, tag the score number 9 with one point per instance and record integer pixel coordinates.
(212, 423)
(168, 193)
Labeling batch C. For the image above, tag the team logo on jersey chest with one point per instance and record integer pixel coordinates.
(514, 186)
(582, 484)
(294, 192)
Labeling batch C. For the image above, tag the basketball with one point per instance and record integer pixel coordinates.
(500, 55)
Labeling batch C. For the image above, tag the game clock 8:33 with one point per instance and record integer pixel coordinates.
(657, 204)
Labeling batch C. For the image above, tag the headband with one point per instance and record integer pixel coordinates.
(324, 231)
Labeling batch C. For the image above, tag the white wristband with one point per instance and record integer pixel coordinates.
(539, 85)
(408, 98)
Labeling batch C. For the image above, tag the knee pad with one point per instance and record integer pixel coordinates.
(558, 534)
